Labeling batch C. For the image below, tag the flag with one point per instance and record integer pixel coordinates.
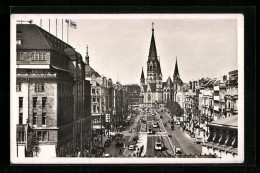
(71, 23)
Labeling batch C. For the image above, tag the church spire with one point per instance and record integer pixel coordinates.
(176, 71)
(152, 51)
(87, 57)
(142, 80)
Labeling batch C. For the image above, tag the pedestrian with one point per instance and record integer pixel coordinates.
(120, 151)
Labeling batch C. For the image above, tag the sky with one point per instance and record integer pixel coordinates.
(119, 47)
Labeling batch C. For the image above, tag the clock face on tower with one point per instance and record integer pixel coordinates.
(149, 97)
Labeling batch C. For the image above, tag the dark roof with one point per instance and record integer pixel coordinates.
(153, 87)
(89, 71)
(169, 81)
(142, 75)
(152, 51)
(132, 88)
(36, 38)
(145, 88)
(176, 70)
(229, 121)
(164, 84)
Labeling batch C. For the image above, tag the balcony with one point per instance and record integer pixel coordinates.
(235, 111)
(228, 110)
(216, 98)
(35, 110)
(20, 110)
(44, 110)
(228, 97)
(216, 108)
(235, 97)
(216, 88)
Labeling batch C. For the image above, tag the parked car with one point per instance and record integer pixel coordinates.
(198, 140)
(169, 135)
(178, 150)
(155, 125)
(132, 145)
(192, 135)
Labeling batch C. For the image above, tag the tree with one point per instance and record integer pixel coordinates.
(175, 108)
(32, 144)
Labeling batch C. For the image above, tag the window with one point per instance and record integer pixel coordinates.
(97, 91)
(43, 118)
(34, 102)
(20, 118)
(39, 87)
(93, 91)
(35, 56)
(19, 42)
(18, 87)
(19, 56)
(39, 133)
(20, 102)
(98, 100)
(44, 136)
(44, 102)
(94, 99)
(34, 118)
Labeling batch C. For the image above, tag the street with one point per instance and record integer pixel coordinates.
(144, 120)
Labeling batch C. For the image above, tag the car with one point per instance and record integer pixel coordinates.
(198, 140)
(155, 125)
(132, 145)
(169, 135)
(178, 150)
(178, 123)
(158, 145)
(192, 135)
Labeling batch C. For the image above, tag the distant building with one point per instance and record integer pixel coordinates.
(51, 92)
(155, 92)
(134, 97)
(223, 138)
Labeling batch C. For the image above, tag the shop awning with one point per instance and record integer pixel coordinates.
(98, 127)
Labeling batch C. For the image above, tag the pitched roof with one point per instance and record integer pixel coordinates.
(176, 70)
(169, 81)
(132, 88)
(145, 88)
(152, 86)
(142, 75)
(164, 84)
(89, 71)
(152, 51)
(35, 38)
(229, 121)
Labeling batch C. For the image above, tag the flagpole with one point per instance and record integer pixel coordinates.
(62, 29)
(49, 25)
(56, 27)
(68, 32)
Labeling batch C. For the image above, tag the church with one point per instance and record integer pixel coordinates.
(154, 91)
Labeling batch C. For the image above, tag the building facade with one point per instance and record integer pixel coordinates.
(45, 91)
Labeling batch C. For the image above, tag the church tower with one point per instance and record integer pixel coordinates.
(176, 75)
(142, 80)
(153, 65)
(87, 57)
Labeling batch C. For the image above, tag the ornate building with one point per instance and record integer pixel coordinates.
(155, 92)
(53, 97)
